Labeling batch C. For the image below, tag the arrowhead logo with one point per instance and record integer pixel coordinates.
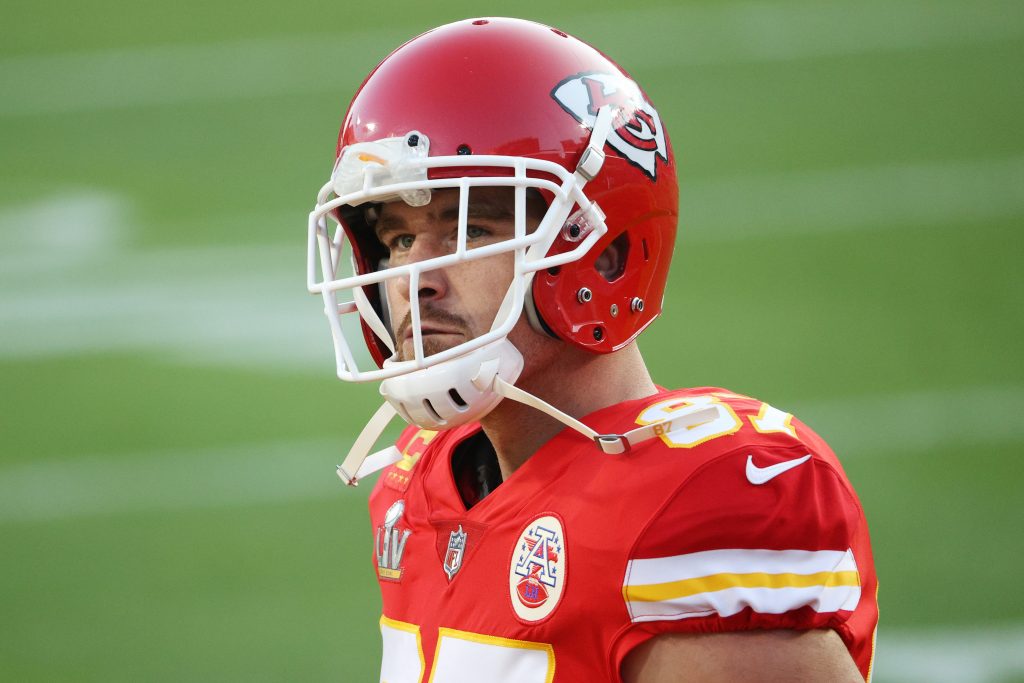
(636, 133)
(762, 475)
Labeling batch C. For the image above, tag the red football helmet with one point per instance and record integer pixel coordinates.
(505, 101)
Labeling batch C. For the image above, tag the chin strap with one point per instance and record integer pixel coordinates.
(360, 462)
(611, 444)
(592, 158)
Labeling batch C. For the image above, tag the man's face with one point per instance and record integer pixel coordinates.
(457, 303)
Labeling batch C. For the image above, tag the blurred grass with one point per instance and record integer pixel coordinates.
(765, 299)
(191, 595)
(119, 404)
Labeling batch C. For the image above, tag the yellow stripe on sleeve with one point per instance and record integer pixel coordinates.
(674, 590)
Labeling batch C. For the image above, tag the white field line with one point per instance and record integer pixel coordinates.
(664, 36)
(87, 486)
(921, 421)
(748, 32)
(70, 282)
(850, 199)
(252, 474)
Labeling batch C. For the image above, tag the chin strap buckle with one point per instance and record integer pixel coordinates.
(612, 444)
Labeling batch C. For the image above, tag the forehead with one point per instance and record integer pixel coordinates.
(484, 203)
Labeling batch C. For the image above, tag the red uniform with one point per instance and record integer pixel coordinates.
(744, 522)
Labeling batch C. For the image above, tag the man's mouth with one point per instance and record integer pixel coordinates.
(428, 331)
(439, 330)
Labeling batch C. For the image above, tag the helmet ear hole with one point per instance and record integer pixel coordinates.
(611, 264)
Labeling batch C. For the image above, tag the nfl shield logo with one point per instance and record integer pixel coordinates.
(456, 549)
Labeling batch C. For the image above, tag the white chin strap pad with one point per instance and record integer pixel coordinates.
(454, 392)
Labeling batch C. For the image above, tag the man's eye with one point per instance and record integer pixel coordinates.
(403, 242)
(475, 232)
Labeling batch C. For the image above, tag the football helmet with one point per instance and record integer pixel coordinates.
(484, 103)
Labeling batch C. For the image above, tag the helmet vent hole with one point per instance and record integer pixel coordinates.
(647, 254)
(430, 410)
(481, 22)
(554, 271)
(559, 33)
(459, 401)
(464, 150)
(611, 264)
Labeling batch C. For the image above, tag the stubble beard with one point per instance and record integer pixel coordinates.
(431, 345)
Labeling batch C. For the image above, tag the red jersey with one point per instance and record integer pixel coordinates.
(743, 522)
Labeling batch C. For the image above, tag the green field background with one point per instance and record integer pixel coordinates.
(852, 178)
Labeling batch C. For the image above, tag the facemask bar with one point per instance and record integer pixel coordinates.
(529, 249)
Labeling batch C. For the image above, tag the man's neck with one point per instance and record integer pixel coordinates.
(582, 383)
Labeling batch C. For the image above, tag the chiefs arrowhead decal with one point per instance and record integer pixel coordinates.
(636, 134)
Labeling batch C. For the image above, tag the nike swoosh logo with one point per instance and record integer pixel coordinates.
(762, 475)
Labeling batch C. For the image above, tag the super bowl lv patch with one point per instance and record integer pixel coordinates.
(389, 543)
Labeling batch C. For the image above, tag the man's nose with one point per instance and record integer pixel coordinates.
(432, 284)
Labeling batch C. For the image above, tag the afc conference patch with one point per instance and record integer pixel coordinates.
(537, 574)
